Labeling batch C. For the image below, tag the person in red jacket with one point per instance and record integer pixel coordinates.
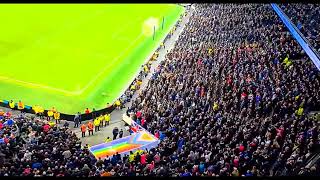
(139, 114)
(143, 121)
(143, 158)
(241, 148)
(157, 134)
(46, 128)
(6, 140)
(87, 111)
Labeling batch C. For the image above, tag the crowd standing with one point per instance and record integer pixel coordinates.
(230, 99)
(306, 17)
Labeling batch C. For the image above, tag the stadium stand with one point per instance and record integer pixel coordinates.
(229, 100)
(306, 18)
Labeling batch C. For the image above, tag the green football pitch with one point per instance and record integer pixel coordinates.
(73, 56)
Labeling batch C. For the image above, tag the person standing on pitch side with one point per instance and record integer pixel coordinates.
(115, 133)
(93, 113)
(83, 130)
(79, 116)
(120, 133)
(76, 120)
(90, 127)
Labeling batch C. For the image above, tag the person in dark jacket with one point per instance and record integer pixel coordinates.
(120, 133)
(94, 113)
(115, 133)
(76, 120)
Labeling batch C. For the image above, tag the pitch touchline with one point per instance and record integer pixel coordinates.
(36, 85)
(74, 92)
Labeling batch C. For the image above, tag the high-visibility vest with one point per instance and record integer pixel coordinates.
(287, 62)
(154, 57)
(118, 103)
(83, 128)
(210, 51)
(101, 118)
(36, 109)
(300, 111)
(41, 110)
(139, 152)
(131, 157)
(51, 123)
(139, 82)
(96, 122)
(108, 140)
(11, 105)
(90, 126)
(146, 69)
(20, 105)
(50, 113)
(215, 106)
(108, 117)
(56, 115)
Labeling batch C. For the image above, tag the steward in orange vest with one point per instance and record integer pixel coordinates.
(83, 130)
(20, 105)
(90, 127)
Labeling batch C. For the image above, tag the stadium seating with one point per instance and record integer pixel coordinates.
(306, 18)
(230, 99)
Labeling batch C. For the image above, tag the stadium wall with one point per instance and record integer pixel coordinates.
(68, 117)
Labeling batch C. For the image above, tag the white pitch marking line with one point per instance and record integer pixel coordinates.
(108, 65)
(36, 85)
(86, 87)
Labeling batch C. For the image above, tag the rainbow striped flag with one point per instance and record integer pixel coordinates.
(124, 145)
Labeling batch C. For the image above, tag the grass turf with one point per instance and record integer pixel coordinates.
(68, 55)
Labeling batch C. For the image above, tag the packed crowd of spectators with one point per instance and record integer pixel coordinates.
(232, 96)
(35, 146)
(8, 134)
(40, 149)
(230, 99)
(306, 17)
(32, 147)
(143, 73)
(145, 69)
